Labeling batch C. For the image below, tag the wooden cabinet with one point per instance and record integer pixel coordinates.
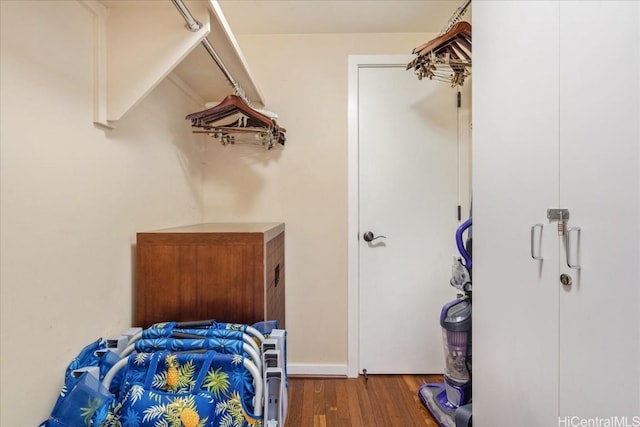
(231, 272)
(552, 129)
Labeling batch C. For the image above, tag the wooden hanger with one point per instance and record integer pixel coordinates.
(447, 57)
(249, 121)
(461, 30)
(456, 42)
(229, 106)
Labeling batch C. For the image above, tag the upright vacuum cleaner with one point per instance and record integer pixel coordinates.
(450, 402)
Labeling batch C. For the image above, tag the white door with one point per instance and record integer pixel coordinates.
(555, 128)
(408, 192)
(600, 185)
(515, 180)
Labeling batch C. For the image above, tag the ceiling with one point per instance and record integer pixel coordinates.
(338, 16)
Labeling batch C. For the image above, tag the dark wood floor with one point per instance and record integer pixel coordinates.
(380, 401)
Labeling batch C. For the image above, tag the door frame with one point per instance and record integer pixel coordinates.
(355, 62)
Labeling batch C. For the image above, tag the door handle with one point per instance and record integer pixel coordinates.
(575, 266)
(368, 236)
(535, 256)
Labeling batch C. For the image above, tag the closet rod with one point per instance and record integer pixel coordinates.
(456, 17)
(193, 25)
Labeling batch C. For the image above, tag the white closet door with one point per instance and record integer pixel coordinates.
(407, 192)
(515, 166)
(600, 185)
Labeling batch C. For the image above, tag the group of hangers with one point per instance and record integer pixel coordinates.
(447, 57)
(234, 121)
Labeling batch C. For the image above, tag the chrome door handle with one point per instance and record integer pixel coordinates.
(533, 232)
(368, 236)
(576, 266)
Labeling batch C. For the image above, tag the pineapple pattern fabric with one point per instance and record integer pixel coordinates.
(166, 389)
(163, 389)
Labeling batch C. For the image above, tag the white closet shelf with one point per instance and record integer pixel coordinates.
(139, 43)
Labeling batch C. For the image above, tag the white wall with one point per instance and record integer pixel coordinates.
(73, 197)
(304, 80)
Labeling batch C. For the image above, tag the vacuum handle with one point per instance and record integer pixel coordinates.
(461, 248)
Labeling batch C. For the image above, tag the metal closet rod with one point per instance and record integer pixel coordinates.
(457, 15)
(193, 25)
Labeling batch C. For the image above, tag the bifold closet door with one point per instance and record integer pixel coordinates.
(600, 185)
(515, 179)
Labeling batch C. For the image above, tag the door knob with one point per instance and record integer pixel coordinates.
(370, 237)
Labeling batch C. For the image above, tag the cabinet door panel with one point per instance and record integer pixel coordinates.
(600, 185)
(166, 280)
(209, 271)
(515, 165)
(230, 282)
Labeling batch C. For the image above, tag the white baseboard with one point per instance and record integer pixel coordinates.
(319, 370)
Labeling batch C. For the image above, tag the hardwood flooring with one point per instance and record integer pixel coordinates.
(380, 401)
